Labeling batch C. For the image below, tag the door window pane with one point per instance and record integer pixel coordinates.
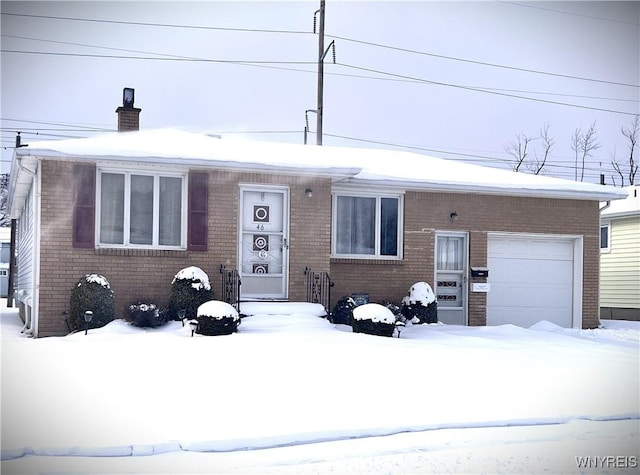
(356, 225)
(112, 208)
(141, 216)
(449, 253)
(170, 211)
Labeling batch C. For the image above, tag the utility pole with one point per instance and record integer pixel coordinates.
(321, 54)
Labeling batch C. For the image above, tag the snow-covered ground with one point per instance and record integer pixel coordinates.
(296, 394)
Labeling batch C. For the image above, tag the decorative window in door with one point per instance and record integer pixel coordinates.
(260, 213)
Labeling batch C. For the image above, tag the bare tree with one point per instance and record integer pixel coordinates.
(584, 144)
(632, 134)
(540, 160)
(518, 149)
(5, 220)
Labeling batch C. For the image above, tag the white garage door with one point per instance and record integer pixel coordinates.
(531, 280)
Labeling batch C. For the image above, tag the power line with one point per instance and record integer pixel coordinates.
(343, 38)
(482, 63)
(334, 74)
(593, 17)
(483, 90)
(87, 126)
(163, 25)
(266, 63)
(195, 60)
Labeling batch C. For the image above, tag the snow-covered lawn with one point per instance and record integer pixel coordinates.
(296, 394)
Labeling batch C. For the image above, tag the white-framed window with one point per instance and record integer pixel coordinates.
(141, 209)
(605, 237)
(367, 226)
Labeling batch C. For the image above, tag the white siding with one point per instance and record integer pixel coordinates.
(24, 248)
(620, 267)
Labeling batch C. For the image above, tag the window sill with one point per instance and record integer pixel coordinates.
(140, 252)
(371, 261)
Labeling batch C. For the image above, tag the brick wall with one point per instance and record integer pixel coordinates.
(426, 213)
(147, 274)
(140, 274)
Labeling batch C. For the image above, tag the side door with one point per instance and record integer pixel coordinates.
(451, 277)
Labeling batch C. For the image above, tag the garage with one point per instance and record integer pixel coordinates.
(533, 278)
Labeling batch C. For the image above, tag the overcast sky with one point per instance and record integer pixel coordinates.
(457, 80)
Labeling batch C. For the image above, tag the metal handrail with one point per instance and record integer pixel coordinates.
(319, 288)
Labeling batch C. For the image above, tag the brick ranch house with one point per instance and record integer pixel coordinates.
(138, 206)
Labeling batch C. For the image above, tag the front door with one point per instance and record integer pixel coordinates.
(451, 277)
(263, 246)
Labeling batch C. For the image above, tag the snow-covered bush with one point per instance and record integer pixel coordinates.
(217, 318)
(420, 306)
(190, 288)
(92, 292)
(374, 319)
(145, 315)
(343, 311)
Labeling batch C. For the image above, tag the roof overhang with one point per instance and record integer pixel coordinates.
(607, 193)
(230, 165)
(23, 170)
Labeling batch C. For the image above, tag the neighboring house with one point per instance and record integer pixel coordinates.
(620, 257)
(5, 241)
(139, 206)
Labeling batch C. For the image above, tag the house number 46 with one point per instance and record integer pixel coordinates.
(260, 227)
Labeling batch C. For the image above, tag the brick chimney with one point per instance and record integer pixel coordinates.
(128, 116)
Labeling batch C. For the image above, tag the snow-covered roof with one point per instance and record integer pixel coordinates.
(624, 208)
(396, 169)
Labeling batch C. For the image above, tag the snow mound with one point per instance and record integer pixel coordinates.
(198, 276)
(218, 310)
(374, 312)
(282, 308)
(96, 279)
(546, 326)
(420, 292)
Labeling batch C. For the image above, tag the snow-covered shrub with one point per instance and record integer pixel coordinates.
(420, 306)
(190, 288)
(92, 292)
(217, 318)
(145, 315)
(373, 319)
(343, 311)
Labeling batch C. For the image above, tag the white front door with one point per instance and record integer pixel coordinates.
(451, 277)
(263, 246)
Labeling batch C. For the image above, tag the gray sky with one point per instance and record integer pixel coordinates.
(404, 73)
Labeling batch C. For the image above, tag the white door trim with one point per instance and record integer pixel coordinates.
(242, 188)
(465, 271)
(578, 264)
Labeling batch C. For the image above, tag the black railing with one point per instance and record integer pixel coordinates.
(319, 288)
(231, 286)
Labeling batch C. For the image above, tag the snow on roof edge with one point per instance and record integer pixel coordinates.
(393, 168)
(493, 189)
(198, 162)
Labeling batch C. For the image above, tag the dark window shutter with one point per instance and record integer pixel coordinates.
(84, 206)
(198, 211)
